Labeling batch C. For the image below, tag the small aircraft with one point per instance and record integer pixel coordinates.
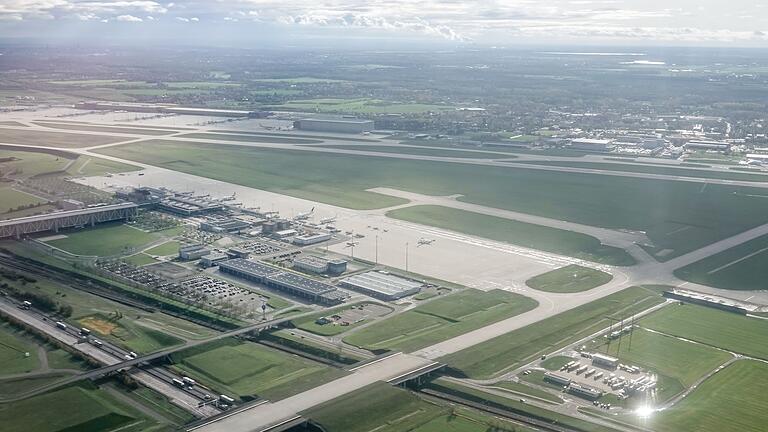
(425, 242)
(306, 215)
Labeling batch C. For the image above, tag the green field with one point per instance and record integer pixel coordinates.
(569, 279)
(733, 400)
(106, 129)
(165, 249)
(103, 240)
(11, 198)
(726, 330)
(525, 389)
(72, 409)
(13, 350)
(669, 357)
(743, 267)
(422, 151)
(359, 106)
(307, 323)
(54, 139)
(28, 164)
(677, 216)
(130, 334)
(524, 234)
(247, 369)
(502, 353)
(140, 259)
(440, 319)
(275, 139)
(399, 410)
(92, 166)
(649, 168)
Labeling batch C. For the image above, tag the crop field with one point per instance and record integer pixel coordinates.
(440, 319)
(726, 330)
(524, 234)
(733, 400)
(677, 216)
(743, 267)
(360, 106)
(248, 369)
(11, 198)
(54, 139)
(105, 129)
(569, 279)
(655, 169)
(666, 356)
(74, 409)
(103, 240)
(500, 354)
(276, 139)
(13, 350)
(422, 151)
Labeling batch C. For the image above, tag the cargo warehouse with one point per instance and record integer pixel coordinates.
(382, 285)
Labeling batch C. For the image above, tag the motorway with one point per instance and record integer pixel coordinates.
(647, 271)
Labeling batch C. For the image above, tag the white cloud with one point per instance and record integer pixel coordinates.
(128, 18)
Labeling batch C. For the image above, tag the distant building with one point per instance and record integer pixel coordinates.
(319, 265)
(310, 239)
(193, 252)
(604, 361)
(584, 391)
(213, 259)
(333, 125)
(707, 145)
(591, 144)
(382, 285)
(557, 379)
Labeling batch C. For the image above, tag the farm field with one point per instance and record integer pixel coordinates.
(569, 279)
(54, 139)
(423, 151)
(743, 267)
(103, 240)
(649, 168)
(80, 409)
(11, 198)
(105, 129)
(732, 400)
(500, 354)
(524, 234)
(276, 139)
(726, 330)
(247, 369)
(702, 213)
(669, 357)
(440, 319)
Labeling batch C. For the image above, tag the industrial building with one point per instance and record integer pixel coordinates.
(225, 225)
(707, 145)
(334, 125)
(310, 239)
(604, 361)
(193, 252)
(189, 205)
(67, 219)
(591, 144)
(212, 259)
(557, 379)
(382, 285)
(290, 283)
(319, 265)
(584, 391)
(167, 109)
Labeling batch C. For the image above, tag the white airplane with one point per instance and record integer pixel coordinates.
(425, 242)
(306, 215)
(328, 220)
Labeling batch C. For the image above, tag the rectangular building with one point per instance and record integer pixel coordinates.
(335, 125)
(382, 285)
(604, 361)
(193, 252)
(557, 379)
(310, 239)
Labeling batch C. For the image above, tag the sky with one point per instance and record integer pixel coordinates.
(479, 22)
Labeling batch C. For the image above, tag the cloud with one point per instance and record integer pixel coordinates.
(128, 18)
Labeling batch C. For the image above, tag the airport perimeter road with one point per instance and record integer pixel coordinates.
(611, 237)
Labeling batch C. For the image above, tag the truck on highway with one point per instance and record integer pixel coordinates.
(61, 325)
(226, 400)
(188, 381)
(178, 383)
(25, 305)
(97, 343)
(84, 331)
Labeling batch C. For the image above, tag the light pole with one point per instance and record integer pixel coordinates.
(406, 256)
(377, 249)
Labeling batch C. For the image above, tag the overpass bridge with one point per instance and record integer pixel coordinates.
(66, 219)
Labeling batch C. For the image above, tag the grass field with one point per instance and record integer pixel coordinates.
(743, 267)
(92, 166)
(165, 249)
(11, 198)
(28, 164)
(733, 400)
(569, 279)
(251, 138)
(525, 389)
(654, 169)
(726, 330)
(420, 151)
(248, 369)
(103, 240)
(677, 216)
(13, 350)
(105, 129)
(440, 319)
(502, 353)
(130, 334)
(308, 323)
(71, 409)
(399, 410)
(140, 259)
(524, 234)
(53, 139)
(668, 357)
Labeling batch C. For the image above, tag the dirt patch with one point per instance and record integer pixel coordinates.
(99, 325)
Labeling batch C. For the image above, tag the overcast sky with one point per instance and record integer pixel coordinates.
(487, 22)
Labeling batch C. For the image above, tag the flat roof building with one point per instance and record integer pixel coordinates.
(557, 379)
(66, 219)
(382, 285)
(604, 361)
(334, 125)
(310, 239)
